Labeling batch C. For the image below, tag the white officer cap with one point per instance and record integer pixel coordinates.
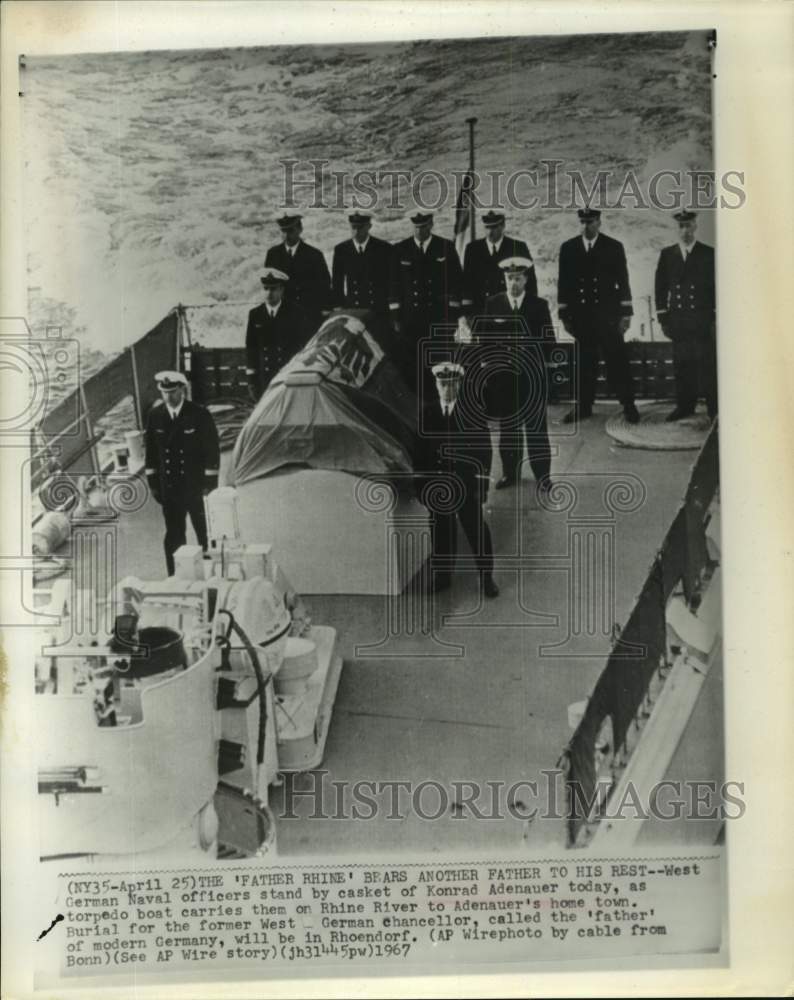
(515, 265)
(170, 380)
(448, 371)
(272, 276)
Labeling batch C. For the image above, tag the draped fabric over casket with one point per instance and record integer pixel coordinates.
(339, 404)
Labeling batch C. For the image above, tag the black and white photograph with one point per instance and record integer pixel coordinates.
(371, 538)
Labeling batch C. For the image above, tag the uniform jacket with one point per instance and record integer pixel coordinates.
(458, 445)
(182, 455)
(593, 285)
(361, 281)
(270, 342)
(482, 276)
(685, 290)
(528, 337)
(425, 287)
(309, 283)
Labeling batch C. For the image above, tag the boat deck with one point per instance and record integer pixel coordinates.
(490, 706)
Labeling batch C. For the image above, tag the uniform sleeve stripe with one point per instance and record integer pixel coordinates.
(626, 302)
(149, 472)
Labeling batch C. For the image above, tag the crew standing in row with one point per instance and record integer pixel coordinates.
(482, 274)
(685, 305)
(361, 269)
(424, 292)
(304, 265)
(595, 307)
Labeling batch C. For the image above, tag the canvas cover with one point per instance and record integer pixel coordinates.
(338, 404)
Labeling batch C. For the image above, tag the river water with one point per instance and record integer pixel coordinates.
(154, 178)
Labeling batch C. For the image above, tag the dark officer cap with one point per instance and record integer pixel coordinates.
(422, 218)
(272, 276)
(493, 219)
(685, 216)
(359, 219)
(588, 214)
(288, 221)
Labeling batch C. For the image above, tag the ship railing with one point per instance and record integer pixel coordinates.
(641, 658)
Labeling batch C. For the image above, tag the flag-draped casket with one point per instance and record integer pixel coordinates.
(324, 465)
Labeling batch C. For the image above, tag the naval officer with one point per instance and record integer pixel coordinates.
(454, 442)
(182, 461)
(595, 307)
(519, 334)
(360, 269)
(424, 291)
(482, 275)
(277, 329)
(304, 265)
(685, 305)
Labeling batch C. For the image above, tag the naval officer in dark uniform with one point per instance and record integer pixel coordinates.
(595, 307)
(519, 333)
(277, 330)
(424, 290)
(360, 269)
(482, 275)
(454, 442)
(182, 461)
(304, 265)
(686, 305)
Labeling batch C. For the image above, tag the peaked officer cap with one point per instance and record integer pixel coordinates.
(685, 216)
(422, 218)
(448, 371)
(271, 276)
(170, 380)
(515, 265)
(493, 219)
(588, 214)
(288, 221)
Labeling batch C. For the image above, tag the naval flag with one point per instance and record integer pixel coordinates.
(464, 215)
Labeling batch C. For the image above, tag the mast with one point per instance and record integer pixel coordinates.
(471, 122)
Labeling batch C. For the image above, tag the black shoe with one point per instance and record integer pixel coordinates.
(506, 481)
(489, 587)
(544, 487)
(631, 413)
(576, 414)
(679, 413)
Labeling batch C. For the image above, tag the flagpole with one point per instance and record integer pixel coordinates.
(471, 122)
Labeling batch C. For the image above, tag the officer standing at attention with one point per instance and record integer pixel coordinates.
(685, 305)
(482, 275)
(360, 270)
(454, 442)
(424, 291)
(304, 265)
(520, 333)
(277, 330)
(182, 461)
(594, 303)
